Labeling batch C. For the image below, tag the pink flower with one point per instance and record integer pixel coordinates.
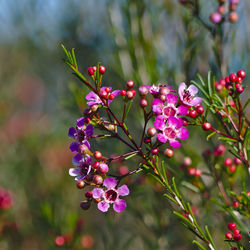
(93, 98)
(171, 131)
(111, 195)
(169, 109)
(187, 95)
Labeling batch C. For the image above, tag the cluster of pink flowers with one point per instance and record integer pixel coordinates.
(220, 14)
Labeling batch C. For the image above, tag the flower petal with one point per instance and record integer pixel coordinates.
(103, 206)
(173, 121)
(123, 190)
(181, 88)
(80, 122)
(77, 160)
(159, 122)
(72, 132)
(195, 101)
(116, 92)
(89, 130)
(119, 205)
(74, 171)
(110, 183)
(174, 144)
(172, 99)
(183, 133)
(74, 147)
(192, 90)
(161, 138)
(97, 193)
(182, 110)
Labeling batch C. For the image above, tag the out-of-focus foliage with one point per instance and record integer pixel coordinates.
(147, 41)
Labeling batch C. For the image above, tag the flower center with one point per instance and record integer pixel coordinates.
(81, 135)
(169, 111)
(187, 96)
(111, 195)
(170, 133)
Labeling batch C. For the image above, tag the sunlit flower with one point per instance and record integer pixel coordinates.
(111, 195)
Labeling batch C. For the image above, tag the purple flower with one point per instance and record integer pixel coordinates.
(111, 195)
(169, 109)
(187, 95)
(93, 98)
(171, 131)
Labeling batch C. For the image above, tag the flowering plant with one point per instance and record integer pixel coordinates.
(168, 114)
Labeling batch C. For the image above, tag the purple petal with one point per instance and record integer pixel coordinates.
(192, 90)
(173, 121)
(172, 99)
(89, 130)
(183, 133)
(161, 138)
(119, 205)
(103, 206)
(182, 110)
(72, 132)
(159, 122)
(123, 190)
(86, 159)
(80, 122)
(174, 144)
(195, 101)
(97, 193)
(86, 143)
(91, 96)
(74, 171)
(181, 88)
(110, 183)
(157, 109)
(77, 160)
(156, 102)
(74, 147)
(116, 92)
(80, 177)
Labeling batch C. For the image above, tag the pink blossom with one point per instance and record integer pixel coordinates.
(111, 195)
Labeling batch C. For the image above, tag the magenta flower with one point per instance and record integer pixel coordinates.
(171, 131)
(187, 95)
(169, 109)
(93, 98)
(111, 195)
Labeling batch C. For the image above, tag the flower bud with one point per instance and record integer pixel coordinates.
(85, 205)
(151, 132)
(102, 70)
(98, 180)
(130, 84)
(103, 168)
(233, 17)
(169, 152)
(143, 103)
(215, 17)
(143, 91)
(80, 184)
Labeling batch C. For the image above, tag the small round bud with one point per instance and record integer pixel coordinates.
(233, 17)
(94, 68)
(222, 82)
(228, 235)
(111, 127)
(133, 91)
(102, 70)
(215, 17)
(232, 169)
(187, 161)
(236, 204)
(191, 171)
(85, 205)
(155, 151)
(234, 248)
(232, 77)
(236, 231)
(123, 92)
(237, 161)
(108, 89)
(219, 87)
(91, 71)
(163, 98)
(206, 126)
(94, 108)
(130, 84)
(103, 94)
(237, 237)
(95, 165)
(103, 168)
(239, 88)
(228, 162)
(98, 155)
(164, 91)
(151, 132)
(185, 121)
(227, 79)
(198, 172)
(98, 180)
(241, 73)
(111, 97)
(80, 184)
(147, 140)
(143, 103)
(87, 242)
(221, 10)
(192, 113)
(59, 241)
(123, 170)
(169, 152)
(200, 109)
(143, 91)
(220, 150)
(88, 194)
(129, 94)
(239, 80)
(231, 226)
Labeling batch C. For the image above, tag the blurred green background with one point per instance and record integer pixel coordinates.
(149, 41)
